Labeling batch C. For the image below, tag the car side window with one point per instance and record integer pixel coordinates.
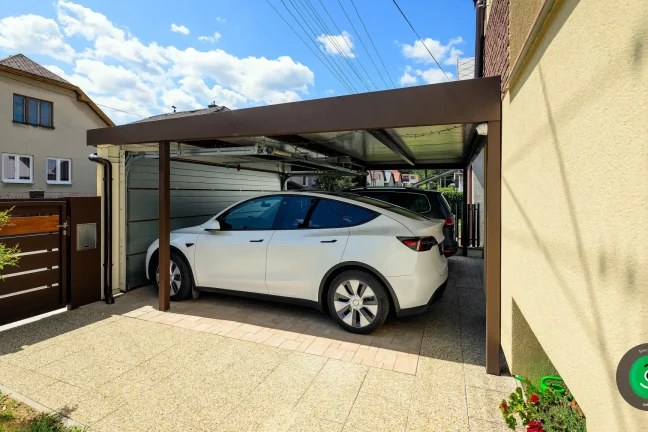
(256, 214)
(354, 215)
(296, 212)
(327, 214)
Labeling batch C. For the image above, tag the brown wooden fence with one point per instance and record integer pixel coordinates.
(38, 284)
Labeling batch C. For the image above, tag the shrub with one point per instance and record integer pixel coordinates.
(8, 256)
(542, 411)
(452, 195)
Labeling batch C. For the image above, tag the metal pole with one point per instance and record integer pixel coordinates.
(493, 246)
(164, 224)
(464, 214)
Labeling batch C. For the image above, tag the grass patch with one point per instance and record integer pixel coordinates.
(17, 417)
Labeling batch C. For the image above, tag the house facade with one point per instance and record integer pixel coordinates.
(574, 108)
(43, 123)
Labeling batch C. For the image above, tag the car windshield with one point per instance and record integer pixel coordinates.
(381, 204)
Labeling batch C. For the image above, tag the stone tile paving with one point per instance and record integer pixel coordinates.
(229, 364)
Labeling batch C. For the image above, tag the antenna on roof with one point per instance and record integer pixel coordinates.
(212, 105)
(174, 108)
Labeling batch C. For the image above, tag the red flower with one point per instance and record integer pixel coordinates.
(535, 426)
(534, 398)
(504, 406)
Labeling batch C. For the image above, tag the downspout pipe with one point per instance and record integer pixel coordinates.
(107, 226)
(480, 11)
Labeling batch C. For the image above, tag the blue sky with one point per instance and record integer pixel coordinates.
(143, 56)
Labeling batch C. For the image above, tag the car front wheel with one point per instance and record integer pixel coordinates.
(358, 301)
(180, 279)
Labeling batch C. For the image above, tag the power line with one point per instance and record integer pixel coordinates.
(362, 43)
(311, 49)
(337, 46)
(345, 39)
(333, 42)
(332, 64)
(417, 35)
(374, 45)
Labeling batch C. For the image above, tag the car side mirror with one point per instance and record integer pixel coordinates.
(212, 225)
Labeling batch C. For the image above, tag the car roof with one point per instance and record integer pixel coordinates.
(391, 189)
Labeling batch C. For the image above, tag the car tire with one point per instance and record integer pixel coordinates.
(182, 282)
(358, 301)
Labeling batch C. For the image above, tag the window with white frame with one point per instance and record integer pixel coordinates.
(17, 168)
(59, 171)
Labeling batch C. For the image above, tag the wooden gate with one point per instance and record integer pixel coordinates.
(38, 284)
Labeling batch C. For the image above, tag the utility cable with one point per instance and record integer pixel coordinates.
(362, 43)
(333, 64)
(374, 45)
(417, 35)
(311, 49)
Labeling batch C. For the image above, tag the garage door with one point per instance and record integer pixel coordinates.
(197, 193)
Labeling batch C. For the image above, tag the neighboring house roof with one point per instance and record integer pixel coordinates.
(23, 66)
(210, 110)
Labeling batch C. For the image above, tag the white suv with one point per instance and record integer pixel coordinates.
(351, 256)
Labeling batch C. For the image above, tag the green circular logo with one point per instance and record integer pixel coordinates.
(638, 377)
(632, 377)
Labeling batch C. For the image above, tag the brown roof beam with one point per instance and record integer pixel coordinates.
(393, 144)
(466, 101)
(307, 144)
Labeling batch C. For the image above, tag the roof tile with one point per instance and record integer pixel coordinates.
(25, 64)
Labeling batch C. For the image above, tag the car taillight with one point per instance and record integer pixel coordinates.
(419, 244)
(449, 221)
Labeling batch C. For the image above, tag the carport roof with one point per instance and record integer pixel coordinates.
(426, 126)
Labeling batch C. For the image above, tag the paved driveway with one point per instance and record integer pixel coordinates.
(228, 364)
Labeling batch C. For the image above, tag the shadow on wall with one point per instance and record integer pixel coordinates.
(530, 360)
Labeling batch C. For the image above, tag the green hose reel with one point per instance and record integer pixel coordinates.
(547, 382)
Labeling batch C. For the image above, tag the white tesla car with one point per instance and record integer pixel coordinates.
(351, 256)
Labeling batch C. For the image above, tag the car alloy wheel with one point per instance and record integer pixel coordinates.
(355, 303)
(175, 277)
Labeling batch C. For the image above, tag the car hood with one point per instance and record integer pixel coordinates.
(198, 229)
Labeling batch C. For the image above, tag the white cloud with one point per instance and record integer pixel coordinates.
(119, 70)
(85, 21)
(179, 29)
(34, 34)
(443, 53)
(453, 56)
(216, 94)
(256, 78)
(434, 75)
(408, 80)
(337, 44)
(213, 38)
(221, 19)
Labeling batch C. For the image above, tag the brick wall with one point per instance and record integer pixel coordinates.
(496, 41)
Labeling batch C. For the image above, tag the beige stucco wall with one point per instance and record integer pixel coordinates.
(67, 140)
(575, 200)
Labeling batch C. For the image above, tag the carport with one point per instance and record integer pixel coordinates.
(434, 126)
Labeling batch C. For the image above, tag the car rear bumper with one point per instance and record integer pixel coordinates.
(416, 290)
(436, 296)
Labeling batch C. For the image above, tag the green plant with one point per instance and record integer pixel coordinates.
(452, 195)
(335, 183)
(542, 411)
(8, 256)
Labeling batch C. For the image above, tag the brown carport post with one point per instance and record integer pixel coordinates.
(164, 224)
(493, 246)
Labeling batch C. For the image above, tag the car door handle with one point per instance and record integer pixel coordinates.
(329, 241)
(256, 241)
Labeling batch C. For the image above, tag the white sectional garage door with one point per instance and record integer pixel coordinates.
(197, 192)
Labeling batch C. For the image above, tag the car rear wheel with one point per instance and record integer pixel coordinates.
(180, 279)
(358, 301)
